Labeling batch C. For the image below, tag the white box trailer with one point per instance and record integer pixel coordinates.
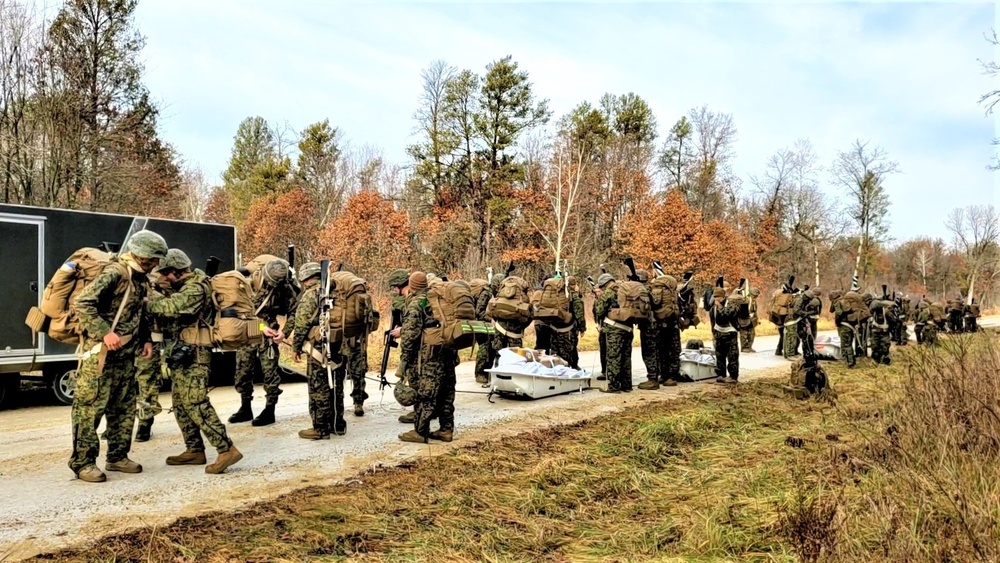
(35, 241)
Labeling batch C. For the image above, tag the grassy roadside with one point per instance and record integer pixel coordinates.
(903, 467)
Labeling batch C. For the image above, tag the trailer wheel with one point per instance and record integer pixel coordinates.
(10, 384)
(63, 385)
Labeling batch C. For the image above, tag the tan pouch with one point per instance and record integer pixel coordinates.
(197, 336)
(36, 320)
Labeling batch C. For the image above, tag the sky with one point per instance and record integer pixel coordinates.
(904, 76)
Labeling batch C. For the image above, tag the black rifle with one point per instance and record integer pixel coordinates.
(325, 304)
(212, 266)
(593, 285)
(291, 255)
(510, 269)
(630, 263)
(388, 344)
(790, 286)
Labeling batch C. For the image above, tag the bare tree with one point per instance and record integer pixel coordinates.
(990, 99)
(710, 182)
(862, 171)
(976, 230)
(196, 192)
(434, 155)
(559, 182)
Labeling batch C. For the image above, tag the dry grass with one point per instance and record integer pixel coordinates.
(903, 468)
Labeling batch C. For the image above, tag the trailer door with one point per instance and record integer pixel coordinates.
(21, 280)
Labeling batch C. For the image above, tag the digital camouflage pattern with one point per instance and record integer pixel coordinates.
(847, 332)
(148, 377)
(272, 301)
(321, 398)
(431, 369)
(727, 354)
(192, 409)
(649, 336)
(109, 393)
(357, 367)
(618, 369)
(669, 345)
(564, 344)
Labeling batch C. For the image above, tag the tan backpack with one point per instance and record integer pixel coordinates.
(854, 305)
(234, 324)
(781, 303)
(553, 304)
(663, 292)
(478, 286)
(451, 304)
(633, 303)
(56, 315)
(351, 306)
(511, 302)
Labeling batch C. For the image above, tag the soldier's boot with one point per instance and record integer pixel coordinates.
(125, 466)
(188, 458)
(340, 426)
(649, 385)
(408, 418)
(443, 435)
(666, 383)
(413, 436)
(91, 474)
(359, 409)
(224, 460)
(313, 434)
(144, 430)
(265, 417)
(602, 377)
(482, 379)
(245, 414)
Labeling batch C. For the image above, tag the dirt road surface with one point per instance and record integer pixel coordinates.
(45, 507)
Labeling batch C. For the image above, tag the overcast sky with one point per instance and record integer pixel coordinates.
(903, 75)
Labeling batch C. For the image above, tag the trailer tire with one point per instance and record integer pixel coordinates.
(10, 385)
(63, 385)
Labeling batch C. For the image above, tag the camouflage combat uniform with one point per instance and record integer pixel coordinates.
(619, 341)
(792, 323)
(879, 331)
(845, 329)
(748, 322)
(926, 328)
(430, 368)
(191, 406)
(149, 375)
(482, 351)
(271, 303)
(563, 340)
(108, 392)
(322, 399)
(649, 335)
(725, 337)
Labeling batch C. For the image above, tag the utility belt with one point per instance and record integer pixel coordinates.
(556, 329)
(724, 329)
(507, 333)
(618, 325)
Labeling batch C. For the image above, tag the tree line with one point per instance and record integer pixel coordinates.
(495, 175)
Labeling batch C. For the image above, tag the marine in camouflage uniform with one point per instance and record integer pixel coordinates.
(748, 322)
(723, 315)
(602, 337)
(275, 298)
(357, 370)
(862, 343)
(649, 335)
(185, 307)
(926, 328)
(880, 334)
(792, 323)
(972, 313)
(563, 340)
(105, 383)
(808, 309)
(668, 352)
(322, 399)
(149, 371)
(430, 368)
(509, 334)
(618, 337)
(483, 351)
(397, 282)
(845, 328)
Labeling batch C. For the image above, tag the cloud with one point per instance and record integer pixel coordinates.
(903, 75)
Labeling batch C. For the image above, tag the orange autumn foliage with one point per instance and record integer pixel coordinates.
(370, 237)
(277, 220)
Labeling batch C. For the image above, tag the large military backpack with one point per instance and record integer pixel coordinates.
(56, 314)
(478, 286)
(351, 312)
(511, 302)
(663, 293)
(937, 313)
(234, 324)
(553, 304)
(880, 317)
(259, 262)
(854, 306)
(451, 305)
(781, 303)
(633, 303)
(973, 310)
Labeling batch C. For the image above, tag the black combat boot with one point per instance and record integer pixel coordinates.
(245, 414)
(340, 426)
(265, 417)
(144, 430)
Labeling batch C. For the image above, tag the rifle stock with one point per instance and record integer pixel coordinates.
(630, 263)
(212, 266)
(324, 327)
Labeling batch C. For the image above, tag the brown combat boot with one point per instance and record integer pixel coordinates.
(91, 474)
(412, 436)
(125, 466)
(408, 418)
(224, 460)
(313, 434)
(188, 458)
(443, 435)
(649, 385)
(359, 409)
(667, 383)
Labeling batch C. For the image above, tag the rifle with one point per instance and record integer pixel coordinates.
(603, 269)
(291, 255)
(489, 274)
(510, 269)
(658, 267)
(325, 304)
(388, 344)
(565, 275)
(628, 261)
(593, 285)
(790, 286)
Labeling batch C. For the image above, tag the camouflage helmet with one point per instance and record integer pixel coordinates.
(398, 278)
(404, 394)
(835, 295)
(147, 244)
(755, 292)
(309, 270)
(174, 260)
(604, 279)
(275, 271)
(496, 281)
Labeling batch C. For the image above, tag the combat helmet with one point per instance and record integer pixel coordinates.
(309, 270)
(147, 244)
(174, 260)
